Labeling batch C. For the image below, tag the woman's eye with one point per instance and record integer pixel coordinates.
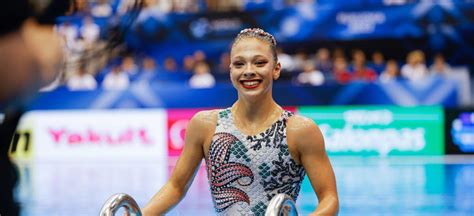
(238, 64)
(260, 63)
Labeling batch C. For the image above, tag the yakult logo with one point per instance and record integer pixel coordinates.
(127, 136)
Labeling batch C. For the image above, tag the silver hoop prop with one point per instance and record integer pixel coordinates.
(281, 205)
(120, 200)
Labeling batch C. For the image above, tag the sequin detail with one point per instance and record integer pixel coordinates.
(245, 172)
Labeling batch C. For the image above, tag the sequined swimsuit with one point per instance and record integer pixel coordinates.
(245, 172)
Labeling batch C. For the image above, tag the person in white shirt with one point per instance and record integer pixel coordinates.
(102, 9)
(89, 30)
(81, 80)
(116, 79)
(202, 77)
(310, 76)
(415, 68)
(440, 66)
(391, 72)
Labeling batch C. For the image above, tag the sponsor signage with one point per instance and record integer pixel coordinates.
(178, 120)
(91, 134)
(379, 130)
(459, 131)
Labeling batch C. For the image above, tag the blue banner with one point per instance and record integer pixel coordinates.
(434, 91)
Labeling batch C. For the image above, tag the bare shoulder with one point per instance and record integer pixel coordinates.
(206, 117)
(304, 133)
(301, 124)
(202, 126)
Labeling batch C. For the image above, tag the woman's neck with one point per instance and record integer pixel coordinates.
(255, 111)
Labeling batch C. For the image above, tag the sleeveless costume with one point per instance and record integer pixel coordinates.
(245, 172)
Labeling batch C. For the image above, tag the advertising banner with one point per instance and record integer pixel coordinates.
(459, 131)
(178, 120)
(91, 134)
(379, 130)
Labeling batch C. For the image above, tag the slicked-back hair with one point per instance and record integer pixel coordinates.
(258, 34)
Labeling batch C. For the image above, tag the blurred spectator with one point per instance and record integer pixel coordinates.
(223, 6)
(359, 70)
(391, 71)
(101, 9)
(338, 53)
(68, 31)
(116, 79)
(170, 65)
(378, 62)
(185, 6)
(89, 30)
(202, 77)
(310, 76)
(224, 63)
(341, 73)
(149, 65)
(199, 56)
(323, 61)
(81, 7)
(299, 60)
(188, 63)
(81, 80)
(130, 67)
(439, 66)
(415, 68)
(285, 60)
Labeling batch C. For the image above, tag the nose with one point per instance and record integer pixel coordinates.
(249, 73)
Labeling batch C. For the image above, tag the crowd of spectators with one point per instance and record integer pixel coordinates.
(323, 67)
(318, 67)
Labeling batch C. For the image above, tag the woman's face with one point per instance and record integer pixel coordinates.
(252, 68)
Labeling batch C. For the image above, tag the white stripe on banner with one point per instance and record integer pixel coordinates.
(399, 95)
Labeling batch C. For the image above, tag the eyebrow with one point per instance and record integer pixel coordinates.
(253, 57)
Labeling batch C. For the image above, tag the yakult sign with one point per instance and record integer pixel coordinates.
(96, 134)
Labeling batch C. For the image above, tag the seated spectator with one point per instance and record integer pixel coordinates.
(81, 7)
(338, 53)
(391, 71)
(89, 30)
(116, 79)
(310, 76)
(199, 56)
(81, 80)
(130, 67)
(185, 6)
(101, 9)
(378, 62)
(299, 60)
(323, 61)
(415, 68)
(149, 65)
(188, 63)
(440, 66)
(69, 32)
(224, 63)
(170, 65)
(202, 77)
(285, 60)
(341, 73)
(359, 70)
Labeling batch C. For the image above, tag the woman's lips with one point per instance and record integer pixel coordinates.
(250, 84)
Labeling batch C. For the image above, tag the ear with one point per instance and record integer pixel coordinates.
(276, 71)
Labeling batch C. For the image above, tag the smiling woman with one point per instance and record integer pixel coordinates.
(253, 150)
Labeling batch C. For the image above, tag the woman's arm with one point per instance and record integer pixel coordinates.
(308, 143)
(199, 131)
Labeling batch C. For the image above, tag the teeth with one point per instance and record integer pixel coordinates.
(250, 83)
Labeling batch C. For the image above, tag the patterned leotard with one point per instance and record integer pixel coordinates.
(245, 172)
